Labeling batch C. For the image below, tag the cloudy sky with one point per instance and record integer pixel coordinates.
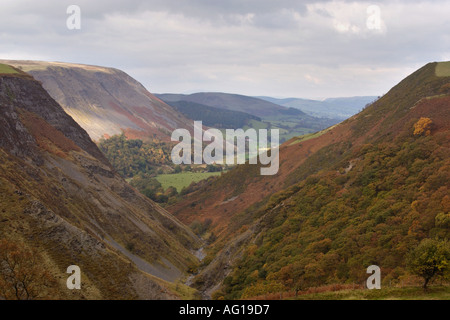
(280, 48)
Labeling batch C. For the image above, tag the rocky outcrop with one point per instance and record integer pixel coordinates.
(28, 95)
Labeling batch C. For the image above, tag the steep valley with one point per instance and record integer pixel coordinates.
(363, 192)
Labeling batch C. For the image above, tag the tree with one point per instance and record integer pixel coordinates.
(292, 276)
(22, 276)
(171, 191)
(423, 126)
(430, 258)
(213, 168)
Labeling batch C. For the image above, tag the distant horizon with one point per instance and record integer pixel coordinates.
(193, 91)
(267, 96)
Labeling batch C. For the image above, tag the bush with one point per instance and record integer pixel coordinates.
(423, 126)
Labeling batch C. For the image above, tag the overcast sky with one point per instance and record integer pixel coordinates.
(280, 48)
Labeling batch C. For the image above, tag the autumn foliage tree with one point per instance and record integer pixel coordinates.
(22, 277)
(423, 126)
(431, 258)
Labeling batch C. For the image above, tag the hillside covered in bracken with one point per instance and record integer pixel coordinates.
(364, 192)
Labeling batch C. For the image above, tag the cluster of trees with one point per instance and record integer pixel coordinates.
(423, 126)
(143, 161)
(132, 156)
(152, 188)
(202, 229)
(331, 226)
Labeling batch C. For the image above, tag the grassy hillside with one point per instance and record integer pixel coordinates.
(183, 179)
(6, 69)
(408, 293)
(365, 192)
(443, 69)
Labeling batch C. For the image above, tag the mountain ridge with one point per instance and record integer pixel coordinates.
(341, 108)
(229, 101)
(105, 101)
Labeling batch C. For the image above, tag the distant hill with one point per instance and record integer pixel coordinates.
(363, 192)
(291, 121)
(235, 102)
(105, 101)
(214, 117)
(336, 108)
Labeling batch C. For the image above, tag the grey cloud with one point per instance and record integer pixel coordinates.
(250, 47)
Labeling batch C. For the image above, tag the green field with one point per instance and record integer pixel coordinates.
(256, 125)
(408, 293)
(443, 69)
(183, 179)
(6, 69)
(288, 126)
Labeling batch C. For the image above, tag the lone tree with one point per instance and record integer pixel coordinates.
(430, 258)
(22, 277)
(423, 126)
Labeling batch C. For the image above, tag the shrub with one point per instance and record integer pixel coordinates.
(423, 126)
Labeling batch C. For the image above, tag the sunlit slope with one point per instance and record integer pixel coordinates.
(105, 101)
